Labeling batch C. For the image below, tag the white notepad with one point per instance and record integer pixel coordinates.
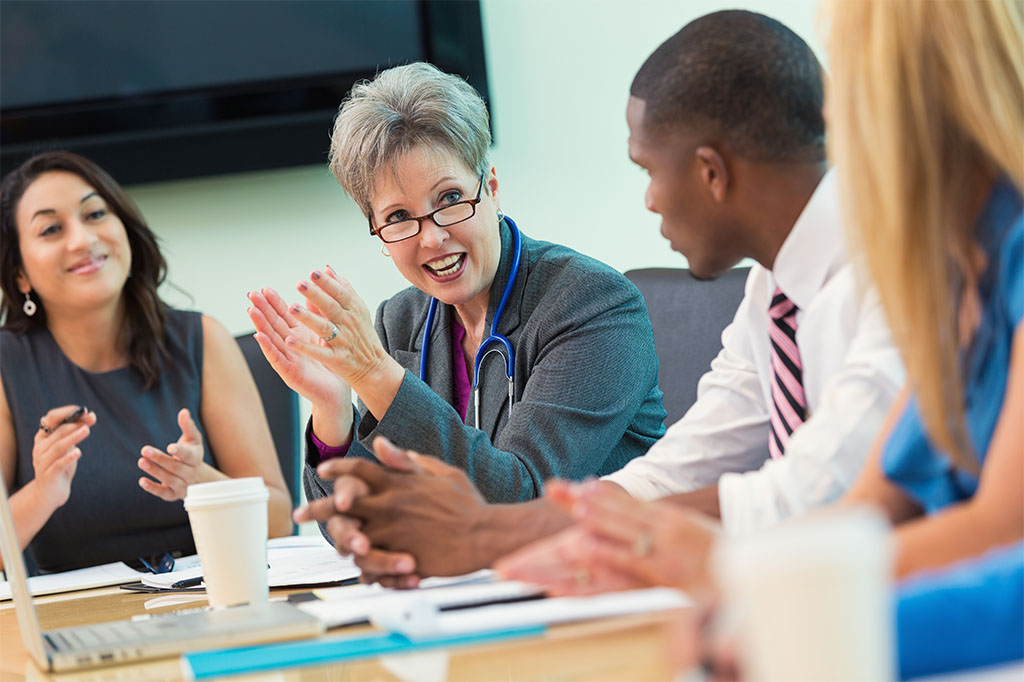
(81, 579)
(293, 561)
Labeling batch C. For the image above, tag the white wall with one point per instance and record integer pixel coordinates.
(559, 75)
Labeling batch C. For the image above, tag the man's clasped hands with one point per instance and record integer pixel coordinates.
(608, 541)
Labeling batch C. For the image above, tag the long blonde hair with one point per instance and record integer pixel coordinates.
(926, 100)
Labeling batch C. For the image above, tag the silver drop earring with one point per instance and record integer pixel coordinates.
(29, 306)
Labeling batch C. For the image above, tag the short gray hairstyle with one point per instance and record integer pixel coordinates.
(402, 108)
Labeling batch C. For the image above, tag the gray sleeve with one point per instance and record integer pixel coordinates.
(594, 367)
(314, 486)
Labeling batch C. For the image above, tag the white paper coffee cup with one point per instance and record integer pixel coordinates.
(811, 599)
(229, 526)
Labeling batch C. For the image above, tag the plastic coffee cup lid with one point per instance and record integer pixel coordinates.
(231, 491)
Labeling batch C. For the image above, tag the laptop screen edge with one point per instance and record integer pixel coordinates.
(17, 577)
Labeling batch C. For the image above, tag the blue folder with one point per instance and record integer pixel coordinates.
(218, 663)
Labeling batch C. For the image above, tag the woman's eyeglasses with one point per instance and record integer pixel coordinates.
(446, 216)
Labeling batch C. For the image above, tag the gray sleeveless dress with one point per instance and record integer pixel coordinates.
(107, 517)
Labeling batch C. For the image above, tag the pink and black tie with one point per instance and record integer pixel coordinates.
(789, 405)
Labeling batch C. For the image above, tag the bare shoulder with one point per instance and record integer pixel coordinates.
(214, 331)
(217, 341)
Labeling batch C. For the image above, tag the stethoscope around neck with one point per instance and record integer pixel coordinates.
(493, 343)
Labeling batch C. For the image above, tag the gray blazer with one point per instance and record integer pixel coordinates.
(586, 394)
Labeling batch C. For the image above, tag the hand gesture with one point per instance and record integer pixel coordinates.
(405, 519)
(347, 343)
(564, 565)
(179, 467)
(638, 544)
(305, 375)
(55, 452)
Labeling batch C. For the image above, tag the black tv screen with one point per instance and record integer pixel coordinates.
(164, 89)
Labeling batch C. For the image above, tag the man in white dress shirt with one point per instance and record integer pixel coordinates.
(726, 118)
(755, 178)
(718, 452)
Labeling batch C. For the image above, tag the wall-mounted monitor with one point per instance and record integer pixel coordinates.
(165, 89)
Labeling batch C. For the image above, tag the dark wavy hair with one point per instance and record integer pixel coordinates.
(145, 313)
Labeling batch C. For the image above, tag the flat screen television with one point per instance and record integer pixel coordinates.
(165, 89)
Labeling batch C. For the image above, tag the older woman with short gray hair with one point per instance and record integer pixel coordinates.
(568, 388)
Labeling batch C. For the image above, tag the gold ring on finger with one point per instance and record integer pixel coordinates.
(642, 545)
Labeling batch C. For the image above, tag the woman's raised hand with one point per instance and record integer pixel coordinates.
(177, 468)
(305, 375)
(55, 453)
(347, 344)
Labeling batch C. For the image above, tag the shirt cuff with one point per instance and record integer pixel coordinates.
(637, 486)
(748, 502)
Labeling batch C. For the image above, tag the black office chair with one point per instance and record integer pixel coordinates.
(688, 316)
(281, 405)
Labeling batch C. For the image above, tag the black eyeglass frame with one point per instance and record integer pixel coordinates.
(419, 220)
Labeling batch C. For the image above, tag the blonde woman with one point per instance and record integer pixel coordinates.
(928, 136)
(927, 116)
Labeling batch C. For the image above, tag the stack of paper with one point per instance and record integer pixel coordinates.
(412, 623)
(540, 612)
(356, 604)
(499, 604)
(293, 561)
(82, 579)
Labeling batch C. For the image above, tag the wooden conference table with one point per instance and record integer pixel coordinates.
(626, 648)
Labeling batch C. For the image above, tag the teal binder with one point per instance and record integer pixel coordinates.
(218, 663)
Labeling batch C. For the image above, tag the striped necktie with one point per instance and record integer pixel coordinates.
(789, 405)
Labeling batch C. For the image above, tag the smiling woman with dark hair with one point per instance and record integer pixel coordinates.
(97, 370)
(145, 313)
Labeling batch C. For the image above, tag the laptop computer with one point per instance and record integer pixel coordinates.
(162, 636)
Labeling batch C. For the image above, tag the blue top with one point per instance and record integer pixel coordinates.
(966, 616)
(911, 461)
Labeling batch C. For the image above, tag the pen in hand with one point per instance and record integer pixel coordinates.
(74, 416)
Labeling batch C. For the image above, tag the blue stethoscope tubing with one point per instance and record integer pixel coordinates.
(487, 345)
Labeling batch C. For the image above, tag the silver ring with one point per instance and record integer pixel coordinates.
(44, 428)
(334, 332)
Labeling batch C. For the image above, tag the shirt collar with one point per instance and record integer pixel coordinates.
(815, 248)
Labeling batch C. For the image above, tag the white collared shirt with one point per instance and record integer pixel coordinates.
(851, 375)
